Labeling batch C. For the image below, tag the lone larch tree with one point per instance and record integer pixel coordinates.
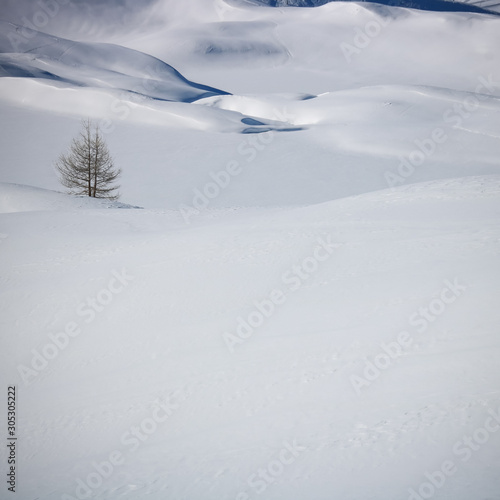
(88, 168)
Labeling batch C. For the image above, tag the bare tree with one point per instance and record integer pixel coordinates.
(88, 169)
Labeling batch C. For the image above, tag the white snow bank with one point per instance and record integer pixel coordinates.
(19, 198)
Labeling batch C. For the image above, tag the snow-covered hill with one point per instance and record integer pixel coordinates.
(92, 65)
(305, 308)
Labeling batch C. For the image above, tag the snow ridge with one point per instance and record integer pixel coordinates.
(98, 65)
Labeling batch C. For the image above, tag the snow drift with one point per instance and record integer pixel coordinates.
(93, 65)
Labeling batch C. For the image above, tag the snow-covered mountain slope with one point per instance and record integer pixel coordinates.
(305, 308)
(336, 46)
(432, 5)
(353, 118)
(93, 65)
(167, 329)
(492, 5)
(171, 152)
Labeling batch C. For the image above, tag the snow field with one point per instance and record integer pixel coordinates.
(305, 306)
(285, 382)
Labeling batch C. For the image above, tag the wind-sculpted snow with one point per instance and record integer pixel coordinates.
(94, 65)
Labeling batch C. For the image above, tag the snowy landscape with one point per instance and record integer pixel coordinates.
(296, 295)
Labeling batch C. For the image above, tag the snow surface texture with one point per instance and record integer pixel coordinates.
(306, 305)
